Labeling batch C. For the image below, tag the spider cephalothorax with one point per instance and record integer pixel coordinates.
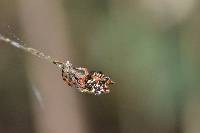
(87, 82)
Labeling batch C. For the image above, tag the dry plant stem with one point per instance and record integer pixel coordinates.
(32, 51)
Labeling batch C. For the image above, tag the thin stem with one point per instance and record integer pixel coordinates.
(32, 51)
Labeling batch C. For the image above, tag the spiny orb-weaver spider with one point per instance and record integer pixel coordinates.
(92, 82)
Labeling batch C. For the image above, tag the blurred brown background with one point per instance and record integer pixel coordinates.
(150, 48)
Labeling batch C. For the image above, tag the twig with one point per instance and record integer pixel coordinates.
(30, 50)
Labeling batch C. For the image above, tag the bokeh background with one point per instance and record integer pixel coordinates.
(150, 48)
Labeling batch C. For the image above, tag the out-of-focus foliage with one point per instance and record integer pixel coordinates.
(149, 48)
(149, 52)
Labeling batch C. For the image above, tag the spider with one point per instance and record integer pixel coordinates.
(92, 82)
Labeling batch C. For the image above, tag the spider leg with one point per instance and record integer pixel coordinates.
(65, 78)
(59, 64)
(86, 71)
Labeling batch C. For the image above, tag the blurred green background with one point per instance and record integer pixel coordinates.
(149, 48)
